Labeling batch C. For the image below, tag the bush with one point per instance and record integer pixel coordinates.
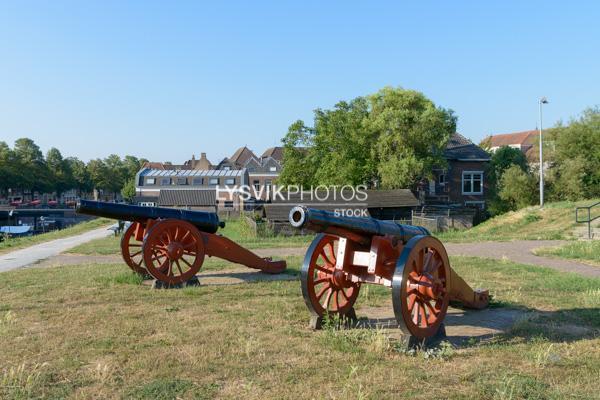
(517, 188)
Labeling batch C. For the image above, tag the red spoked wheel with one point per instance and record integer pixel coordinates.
(420, 286)
(173, 251)
(325, 289)
(131, 249)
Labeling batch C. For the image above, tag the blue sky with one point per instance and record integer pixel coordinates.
(165, 80)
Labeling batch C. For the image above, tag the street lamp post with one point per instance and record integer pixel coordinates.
(543, 100)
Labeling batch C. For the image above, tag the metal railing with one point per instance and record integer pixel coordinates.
(589, 218)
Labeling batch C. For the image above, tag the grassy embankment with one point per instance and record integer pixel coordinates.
(234, 229)
(554, 221)
(91, 332)
(19, 243)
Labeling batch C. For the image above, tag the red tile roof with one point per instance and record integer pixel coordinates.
(507, 139)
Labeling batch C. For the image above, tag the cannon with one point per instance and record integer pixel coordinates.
(170, 244)
(351, 251)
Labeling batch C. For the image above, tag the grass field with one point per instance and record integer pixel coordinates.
(93, 331)
(234, 230)
(554, 221)
(19, 243)
(587, 251)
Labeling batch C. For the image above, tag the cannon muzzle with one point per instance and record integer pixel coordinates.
(204, 221)
(329, 222)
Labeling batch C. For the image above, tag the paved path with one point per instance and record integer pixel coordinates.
(35, 253)
(520, 251)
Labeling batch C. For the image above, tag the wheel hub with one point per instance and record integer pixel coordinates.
(174, 251)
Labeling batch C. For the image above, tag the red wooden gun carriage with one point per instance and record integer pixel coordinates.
(352, 251)
(170, 244)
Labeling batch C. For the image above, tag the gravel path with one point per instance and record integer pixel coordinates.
(520, 251)
(33, 254)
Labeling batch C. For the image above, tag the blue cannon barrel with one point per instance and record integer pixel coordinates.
(329, 222)
(204, 221)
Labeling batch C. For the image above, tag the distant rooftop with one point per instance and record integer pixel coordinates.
(516, 138)
(192, 172)
(461, 148)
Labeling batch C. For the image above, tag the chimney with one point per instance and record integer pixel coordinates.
(203, 156)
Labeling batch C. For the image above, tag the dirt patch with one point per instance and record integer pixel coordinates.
(461, 325)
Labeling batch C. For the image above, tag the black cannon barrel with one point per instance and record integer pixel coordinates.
(328, 222)
(204, 221)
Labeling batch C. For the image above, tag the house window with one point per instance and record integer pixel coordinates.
(197, 181)
(230, 181)
(472, 182)
(213, 181)
(228, 204)
(273, 169)
(256, 184)
(442, 179)
(150, 181)
(165, 181)
(181, 181)
(226, 168)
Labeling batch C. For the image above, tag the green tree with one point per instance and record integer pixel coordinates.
(394, 137)
(8, 175)
(128, 190)
(574, 155)
(117, 171)
(60, 171)
(501, 160)
(82, 180)
(33, 173)
(99, 175)
(297, 166)
(411, 133)
(517, 188)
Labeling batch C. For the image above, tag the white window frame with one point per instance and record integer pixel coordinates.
(230, 181)
(442, 178)
(150, 181)
(272, 169)
(213, 182)
(462, 182)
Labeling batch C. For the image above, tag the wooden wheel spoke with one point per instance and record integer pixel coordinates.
(186, 262)
(189, 253)
(137, 253)
(411, 301)
(329, 246)
(187, 233)
(322, 291)
(335, 300)
(432, 310)
(321, 280)
(178, 267)
(327, 298)
(135, 245)
(423, 315)
(323, 269)
(326, 258)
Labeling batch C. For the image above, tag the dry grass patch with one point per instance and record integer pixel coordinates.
(89, 332)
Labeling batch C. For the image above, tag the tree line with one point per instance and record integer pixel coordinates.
(396, 137)
(571, 166)
(24, 167)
